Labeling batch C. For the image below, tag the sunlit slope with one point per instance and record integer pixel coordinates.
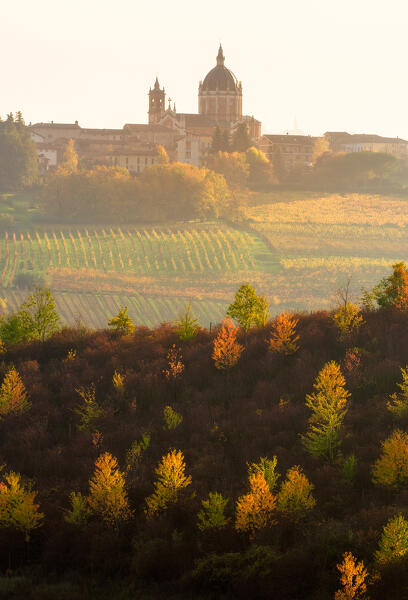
(322, 241)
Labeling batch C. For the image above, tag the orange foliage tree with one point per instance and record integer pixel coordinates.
(353, 576)
(283, 335)
(255, 509)
(176, 366)
(226, 350)
(13, 395)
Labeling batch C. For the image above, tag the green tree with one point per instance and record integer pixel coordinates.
(295, 496)
(398, 403)
(241, 140)
(18, 509)
(347, 318)
(18, 156)
(248, 308)
(212, 513)
(38, 314)
(70, 158)
(187, 324)
(122, 323)
(12, 330)
(393, 545)
(79, 513)
(172, 418)
(220, 140)
(391, 469)
(392, 290)
(329, 406)
(89, 411)
(13, 395)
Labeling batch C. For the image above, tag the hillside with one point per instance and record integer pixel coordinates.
(297, 248)
(226, 421)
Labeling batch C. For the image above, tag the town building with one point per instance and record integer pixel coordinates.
(341, 141)
(295, 152)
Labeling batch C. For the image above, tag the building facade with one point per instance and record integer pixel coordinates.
(294, 151)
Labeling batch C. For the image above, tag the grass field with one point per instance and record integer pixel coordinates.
(296, 248)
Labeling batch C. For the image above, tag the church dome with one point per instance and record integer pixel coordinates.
(220, 78)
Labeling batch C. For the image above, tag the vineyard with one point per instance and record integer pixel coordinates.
(196, 250)
(94, 271)
(94, 310)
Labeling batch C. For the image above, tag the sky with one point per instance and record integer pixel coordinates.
(331, 65)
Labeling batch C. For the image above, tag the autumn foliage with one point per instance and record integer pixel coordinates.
(255, 509)
(226, 349)
(283, 338)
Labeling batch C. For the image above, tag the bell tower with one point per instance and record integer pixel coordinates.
(157, 99)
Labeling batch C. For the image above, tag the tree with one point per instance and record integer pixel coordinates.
(295, 496)
(283, 339)
(13, 395)
(392, 290)
(171, 479)
(107, 493)
(212, 513)
(18, 156)
(90, 410)
(398, 403)
(233, 166)
(226, 349)
(391, 469)
(187, 324)
(18, 509)
(80, 512)
(240, 139)
(162, 157)
(171, 417)
(353, 576)
(261, 173)
(255, 509)
(329, 406)
(347, 318)
(38, 314)
(122, 323)
(70, 158)
(220, 140)
(176, 366)
(248, 308)
(393, 545)
(267, 467)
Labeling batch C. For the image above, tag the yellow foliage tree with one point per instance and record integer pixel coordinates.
(13, 395)
(70, 159)
(18, 509)
(347, 318)
(391, 469)
(295, 497)
(393, 545)
(107, 494)
(226, 349)
(255, 509)
(171, 479)
(353, 576)
(283, 335)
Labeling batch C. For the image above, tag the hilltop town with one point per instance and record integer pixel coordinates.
(188, 137)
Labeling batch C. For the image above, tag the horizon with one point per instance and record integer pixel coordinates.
(321, 73)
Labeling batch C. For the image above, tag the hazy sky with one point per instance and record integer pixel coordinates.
(334, 65)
